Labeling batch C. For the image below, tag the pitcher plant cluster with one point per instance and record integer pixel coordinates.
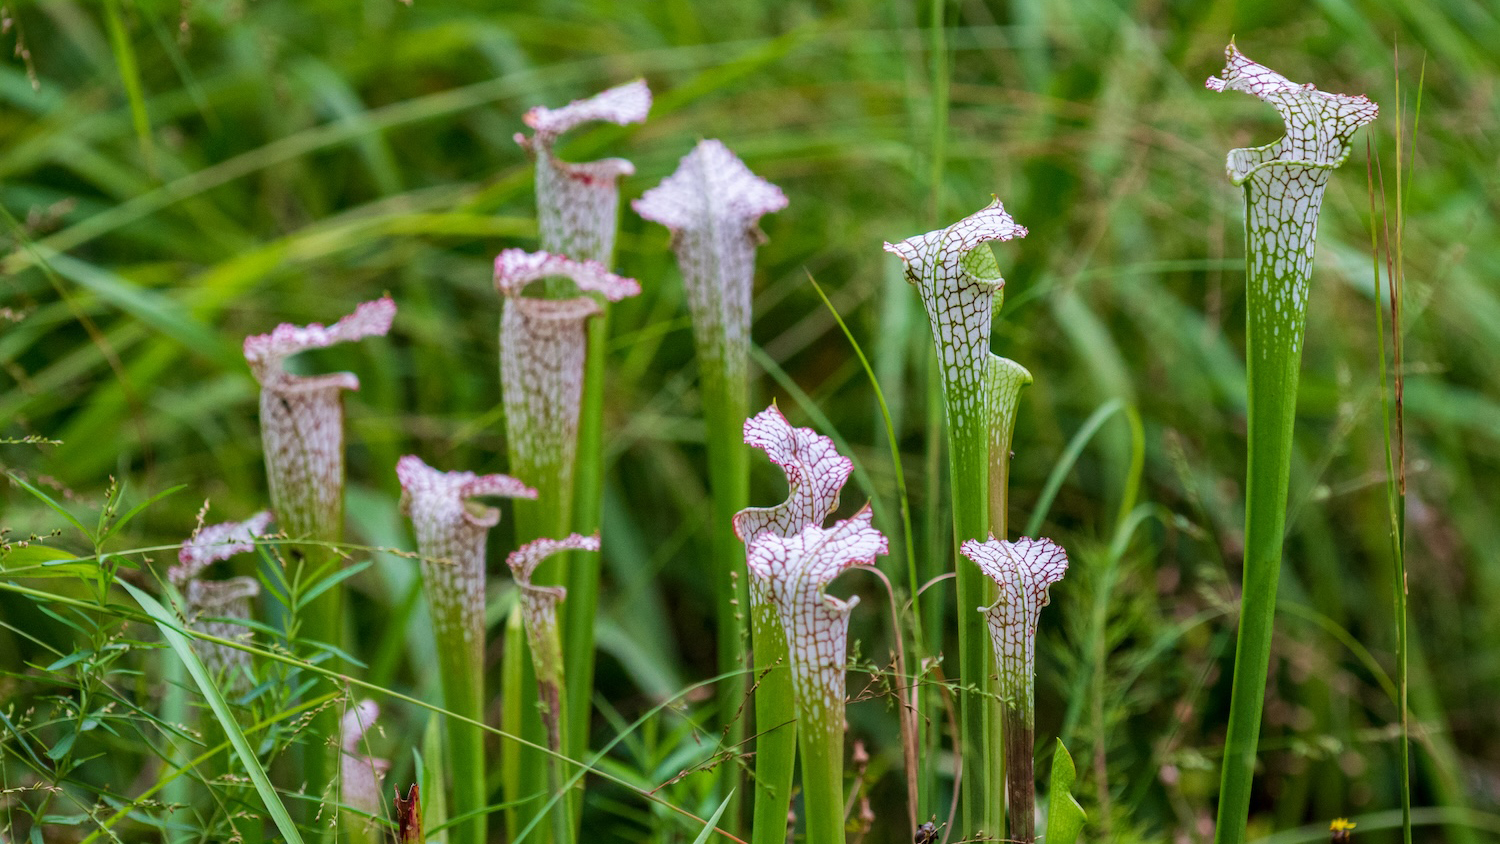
(780, 703)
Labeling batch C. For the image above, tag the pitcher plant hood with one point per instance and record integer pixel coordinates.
(302, 419)
(797, 570)
(579, 203)
(1024, 570)
(711, 205)
(451, 530)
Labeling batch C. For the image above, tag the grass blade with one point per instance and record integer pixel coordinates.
(181, 644)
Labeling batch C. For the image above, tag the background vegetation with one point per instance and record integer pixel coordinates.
(178, 175)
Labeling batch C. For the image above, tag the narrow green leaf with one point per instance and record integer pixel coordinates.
(713, 821)
(136, 511)
(329, 582)
(42, 561)
(50, 502)
(181, 644)
(1064, 815)
(76, 656)
(130, 76)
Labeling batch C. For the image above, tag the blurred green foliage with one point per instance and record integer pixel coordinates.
(177, 175)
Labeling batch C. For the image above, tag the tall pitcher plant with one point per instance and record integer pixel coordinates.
(794, 573)
(539, 617)
(960, 284)
(543, 349)
(451, 532)
(1284, 184)
(815, 473)
(578, 206)
(711, 205)
(302, 430)
(1022, 571)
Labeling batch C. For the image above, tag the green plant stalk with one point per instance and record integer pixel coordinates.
(174, 710)
(546, 660)
(300, 515)
(1284, 184)
(582, 578)
(462, 668)
(776, 726)
(969, 471)
(726, 403)
(513, 685)
(547, 516)
(1273, 362)
(1017, 739)
(821, 741)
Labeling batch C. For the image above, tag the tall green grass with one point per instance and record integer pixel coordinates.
(307, 156)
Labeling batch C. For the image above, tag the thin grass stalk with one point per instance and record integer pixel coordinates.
(302, 429)
(1022, 572)
(451, 532)
(1284, 184)
(539, 615)
(795, 571)
(958, 278)
(815, 474)
(578, 207)
(711, 205)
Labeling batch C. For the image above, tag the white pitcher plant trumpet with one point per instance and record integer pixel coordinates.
(795, 571)
(712, 205)
(1023, 571)
(451, 530)
(961, 287)
(815, 473)
(1284, 184)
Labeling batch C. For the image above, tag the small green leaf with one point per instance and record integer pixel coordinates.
(76, 656)
(136, 511)
(40, 561)
(48, 500)
(713, 821)
(1064, 816)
